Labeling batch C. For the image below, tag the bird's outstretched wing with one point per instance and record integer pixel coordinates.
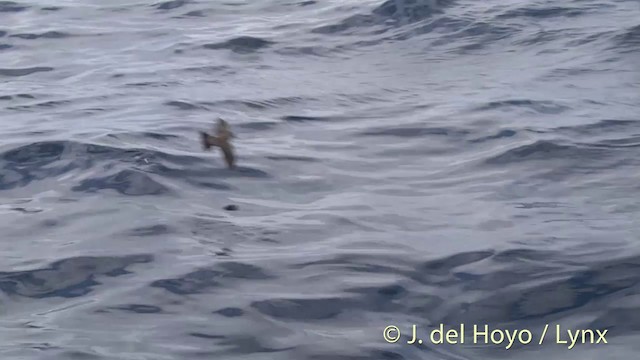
(227, 151)
(222, 130)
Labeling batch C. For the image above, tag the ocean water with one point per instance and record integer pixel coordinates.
(400, 163)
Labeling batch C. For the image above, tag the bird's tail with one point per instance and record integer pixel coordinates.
(206, 140)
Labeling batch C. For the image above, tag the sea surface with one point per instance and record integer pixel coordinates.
(400, 163)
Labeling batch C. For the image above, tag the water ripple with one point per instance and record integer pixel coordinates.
(242, 44)
(17, 72)
(67, 278)
(399, 162)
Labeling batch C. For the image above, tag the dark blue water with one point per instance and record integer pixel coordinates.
(399, 162)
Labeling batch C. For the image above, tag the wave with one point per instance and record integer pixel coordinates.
(18, 72)
(242, 44)
(44, 35)
(411, 131)
(130, 171)
(68, 278)
(244, 104)
(629, 40)
(172, 4)
(208, 279)
(542, 12)
(538, 106)
(544, 150)
(10, 6)
(402, 12)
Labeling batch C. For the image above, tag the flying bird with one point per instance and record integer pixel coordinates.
(221, 139)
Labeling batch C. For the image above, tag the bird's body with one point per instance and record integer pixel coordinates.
(222, 139)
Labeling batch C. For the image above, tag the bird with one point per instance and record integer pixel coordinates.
(221, 139)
